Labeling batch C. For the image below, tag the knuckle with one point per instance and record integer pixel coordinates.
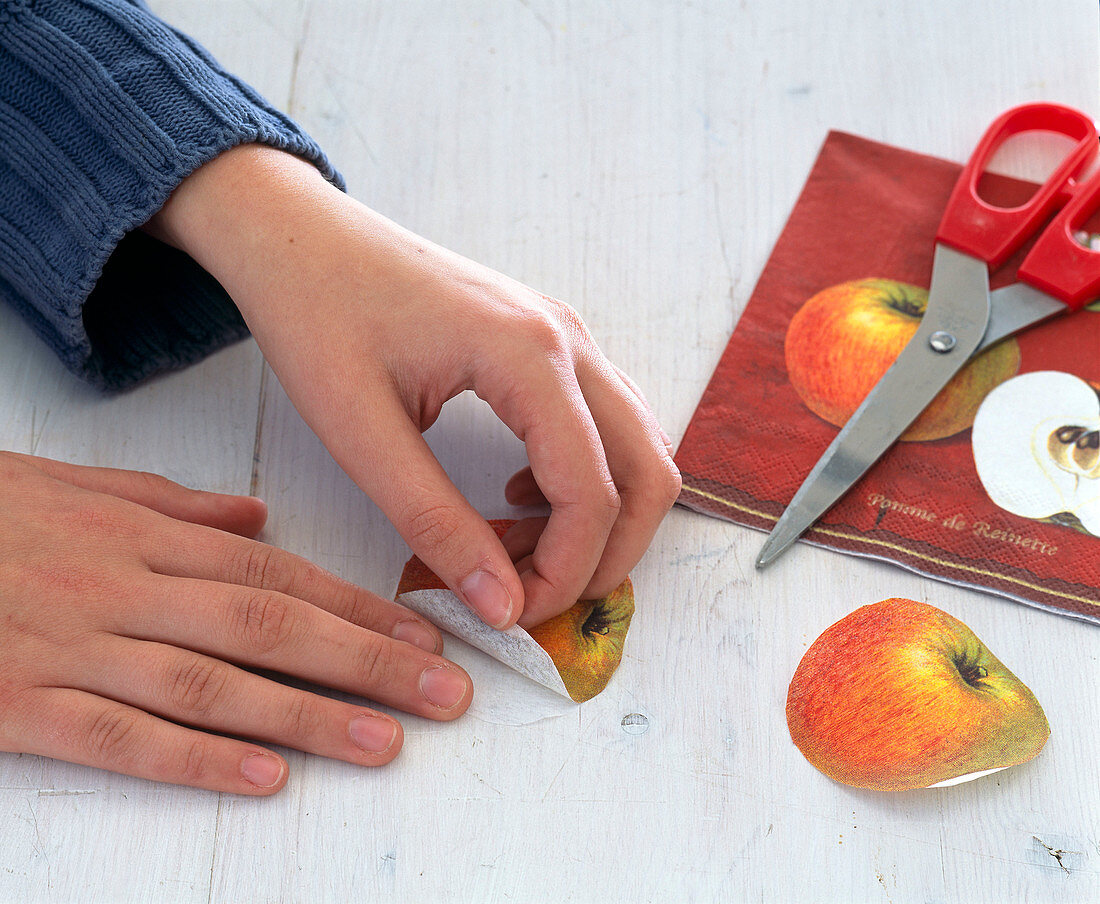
(261, 567)
(376, 663)
(656, 485)
(112, 736)
(263, 621)
(195, 687)
(669, 482)
(608, 499)
(15, 707)
(567, 317)
(308, 580)
(155, 484)
(347, 601)
(195, 765)
(432, 527)
(674, 480)
(541, 328)
(302, 719)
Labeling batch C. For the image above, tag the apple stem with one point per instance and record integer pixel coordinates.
(972, 674)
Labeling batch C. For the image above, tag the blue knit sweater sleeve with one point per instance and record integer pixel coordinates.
(104, 110)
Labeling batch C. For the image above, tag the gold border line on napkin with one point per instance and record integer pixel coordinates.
(896, 547)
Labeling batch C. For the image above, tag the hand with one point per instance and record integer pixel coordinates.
(371, 329)
(126, 599)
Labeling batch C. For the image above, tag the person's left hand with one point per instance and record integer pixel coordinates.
(134, 613)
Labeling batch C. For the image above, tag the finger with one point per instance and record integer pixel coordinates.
(207, 693)
(523, 489)
(449, 536)
(243, 515)
(568, 463)
(645, 475)
(269, 630)
(634, 388)
(79, 727)
(215, 556)
(521, 539)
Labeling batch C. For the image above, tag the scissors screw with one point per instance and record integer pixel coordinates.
(941, 341)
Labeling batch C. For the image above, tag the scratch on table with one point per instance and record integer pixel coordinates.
(296, 61)
(214, 848)
(706, 558)
(489, 785)
(565, 760)
(1056, 853)
(539, 17)
(388, 864)
(882, 882)
(37, 430)
(62, 792)
(720, 222)
(261, 406)
(37, 845)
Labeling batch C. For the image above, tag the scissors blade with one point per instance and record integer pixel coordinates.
(958, 306)
(1015, 308)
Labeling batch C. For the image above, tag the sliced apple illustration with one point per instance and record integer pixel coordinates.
(574, 653)
(900, 695)
(1036, 442)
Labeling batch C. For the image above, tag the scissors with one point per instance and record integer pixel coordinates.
(962, 317)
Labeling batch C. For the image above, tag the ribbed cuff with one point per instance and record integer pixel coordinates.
(104, 110)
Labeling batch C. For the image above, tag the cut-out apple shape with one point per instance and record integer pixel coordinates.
(1036, 442)
(574, 654)
(899, 695)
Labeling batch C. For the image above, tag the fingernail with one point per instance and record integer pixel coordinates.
(372, 733)
(262, 769)
(442, 687)
(412, 631)
(488, 596)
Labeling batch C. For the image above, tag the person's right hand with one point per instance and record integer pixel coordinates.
(371, 329)
(133, 611)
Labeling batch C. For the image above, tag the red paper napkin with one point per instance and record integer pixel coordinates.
(870, 210)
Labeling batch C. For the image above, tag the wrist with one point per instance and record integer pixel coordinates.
(240, 216)
(224, 188)
(268, 225)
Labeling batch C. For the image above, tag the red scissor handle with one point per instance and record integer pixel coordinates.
(992, 233)
(1058, 264)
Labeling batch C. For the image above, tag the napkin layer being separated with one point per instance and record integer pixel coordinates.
(871, 211)
(573, 654)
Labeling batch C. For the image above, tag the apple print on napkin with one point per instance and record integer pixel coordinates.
(899, 695)
(574, 654)
(844, 285)
(844, 338)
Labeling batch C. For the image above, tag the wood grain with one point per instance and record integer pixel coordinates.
(637, 160)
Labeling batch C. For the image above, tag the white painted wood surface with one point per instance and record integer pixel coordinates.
(637, 159)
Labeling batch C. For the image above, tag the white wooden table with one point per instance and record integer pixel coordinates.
(637, 159)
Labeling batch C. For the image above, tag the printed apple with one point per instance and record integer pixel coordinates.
(844, 338)
(900, 695)
(1036, 443)
(585, 642)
